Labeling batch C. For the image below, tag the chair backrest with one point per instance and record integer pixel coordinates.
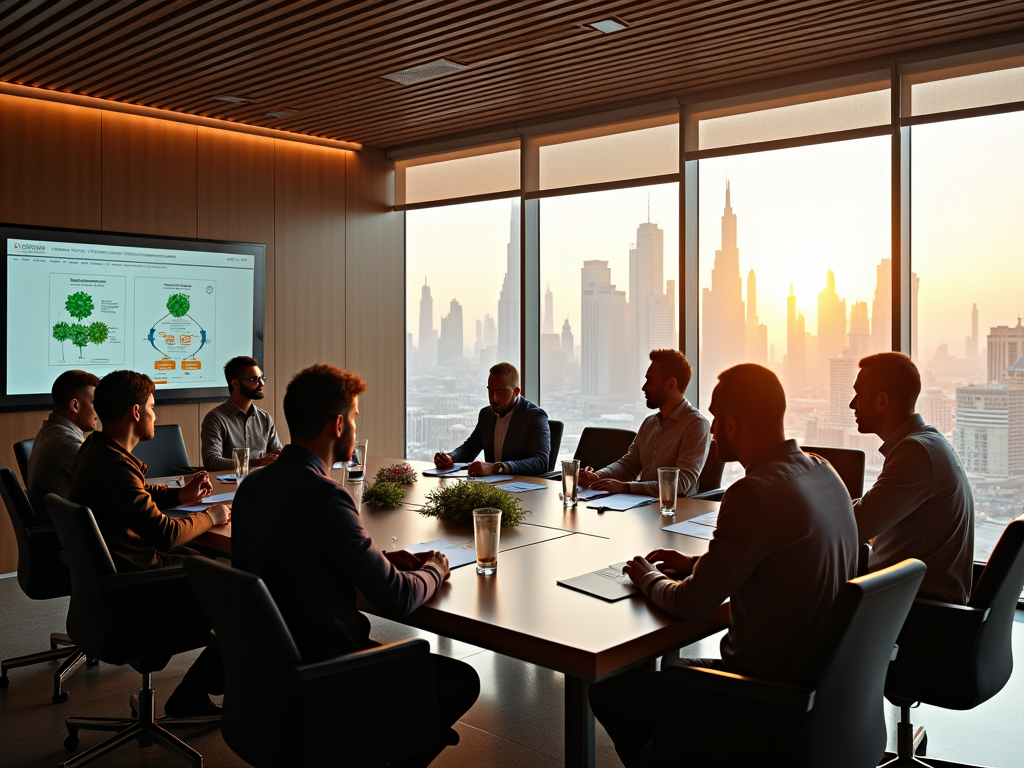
(711, 473)
(165, 453)
(848, 668)
(847, 462)
(22, 452)
(41, 573)
(601, 446)
(556, 428)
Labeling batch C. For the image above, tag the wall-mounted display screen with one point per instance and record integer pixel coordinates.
(174, 309)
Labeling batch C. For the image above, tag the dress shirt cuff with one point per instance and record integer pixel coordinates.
(648, 579)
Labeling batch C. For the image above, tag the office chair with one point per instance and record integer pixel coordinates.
(599, 447)
(42, 575)
(709, 483)
(958, 656)
(847, 462)
(141, 619)
(556, 428)
(281, 711)
(832, 716)
(165, 454)
(22, 452)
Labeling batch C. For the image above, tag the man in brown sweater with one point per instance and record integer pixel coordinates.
(108, 479)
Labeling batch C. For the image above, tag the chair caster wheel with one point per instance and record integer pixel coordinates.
(60, 698)
(4, 681)
(71, 743)
(92, 662)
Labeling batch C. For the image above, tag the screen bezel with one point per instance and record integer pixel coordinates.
(43, 400)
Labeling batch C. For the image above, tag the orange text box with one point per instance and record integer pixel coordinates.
(184, 339)
(191, 365)
(164, 365)
(169, 338)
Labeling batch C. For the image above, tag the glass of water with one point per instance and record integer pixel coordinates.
(241, 457)
(357, 465)
(486, 530)
(668, 486)
(570, 482)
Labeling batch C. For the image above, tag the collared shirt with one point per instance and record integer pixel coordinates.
(109, 480)
(921, 506)
(313, 563)
(227, 427)
(49, 465)
(786, 543)
(681, 440)
(501, 425)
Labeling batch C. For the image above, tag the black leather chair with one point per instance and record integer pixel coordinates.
(293, 713)
(556, 428)
(848, 463)
(833, 716)
(22, 452)
(709, 483)
(42, 575)
(599, 447)
(958, 656)
(140, 618)
(165, 453)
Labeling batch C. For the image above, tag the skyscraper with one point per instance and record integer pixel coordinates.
(723, 324)
(756, 347)
(508, 299)
(831, 326)
(428, 336)
(548, 326)
(651, 308)
(794, 363)
(449, 347)
(881, 308)
(568, 343)
(971, 342)
(1005, 345)
(860, 331)
(603, 333)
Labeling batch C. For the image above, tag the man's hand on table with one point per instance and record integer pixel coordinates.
(267, 458)
(588, 477)
(637, 568)
(481, 469)
(410, 561)
(197, 487)
(219, 513)
(443, 460)
(609, 485)
(671, 562)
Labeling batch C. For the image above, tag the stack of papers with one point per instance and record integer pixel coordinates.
(219, 498)
(457, 554)
(619, 502)
(587, 494)
(458, 470)
(490, 479)
(701, 527)
(522, 487)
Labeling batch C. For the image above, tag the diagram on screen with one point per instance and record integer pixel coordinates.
(175, 315)
(87, 315)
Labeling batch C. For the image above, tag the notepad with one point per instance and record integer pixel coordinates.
(490, 479)
(620, 502)
(227, 478)
(219, 498)
(609, 583)
(700, 527)
(190, 508)
(457, 554)
(522, 487)
(589, 494)
(453, 472)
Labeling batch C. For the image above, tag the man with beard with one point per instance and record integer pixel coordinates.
(512, 432)
(239, 422)
(676, 436)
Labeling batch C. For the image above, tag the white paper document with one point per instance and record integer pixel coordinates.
(457, 554)
(219, 498)
(619, 502)
(700, 527)
(457, 468)
(522, 487)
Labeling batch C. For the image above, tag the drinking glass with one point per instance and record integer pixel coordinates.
(357, 466)
(486, 530)
(241, 457)
(668, 485)
(570, 482)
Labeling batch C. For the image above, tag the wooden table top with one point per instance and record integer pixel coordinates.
(522, 611)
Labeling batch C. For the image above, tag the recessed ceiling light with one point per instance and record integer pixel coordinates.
(608, 26)
(233, 99)
(280, 113)
(422, 72)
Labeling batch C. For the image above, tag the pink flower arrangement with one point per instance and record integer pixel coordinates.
(397, 473)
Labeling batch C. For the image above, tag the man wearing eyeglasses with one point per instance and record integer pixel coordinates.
(512, 432)
(239, 422)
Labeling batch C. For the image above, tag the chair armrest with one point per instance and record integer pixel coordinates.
(383, 654)
(145, 578)
(714, 495)
(925, 612)
(776, 694)
(40, 530)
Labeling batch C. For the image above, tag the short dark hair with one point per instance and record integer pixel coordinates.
(673, 364)
(69, 384)
(316, 395)
(506, 369)
(235, 367)
(895, 374)
(752, 394)
(118, 391)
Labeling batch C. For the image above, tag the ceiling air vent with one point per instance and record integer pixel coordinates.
(422, 72)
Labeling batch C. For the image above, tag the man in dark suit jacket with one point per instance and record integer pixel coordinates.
(512, 432)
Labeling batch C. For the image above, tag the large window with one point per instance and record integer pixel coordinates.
(794, 262)
(609, 268)
(462, 315)
(967, 221)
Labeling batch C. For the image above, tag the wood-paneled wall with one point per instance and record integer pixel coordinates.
(335, 248)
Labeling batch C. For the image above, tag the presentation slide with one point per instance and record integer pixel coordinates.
(176, 316)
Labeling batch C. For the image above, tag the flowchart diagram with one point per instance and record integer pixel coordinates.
(176, 313)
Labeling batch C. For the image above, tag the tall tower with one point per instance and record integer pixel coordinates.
(603, 333)
(794, 364)
(756, 350)
(881, 308)
(972, 340)
(428, 336)
(723, 326)
(860, 331)
(831, 327)
(449, 346)
(548, 326)
(508, 299)
(651, 308)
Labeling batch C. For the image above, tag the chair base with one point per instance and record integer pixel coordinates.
(911, 744)
(61, 647)
(146, 728)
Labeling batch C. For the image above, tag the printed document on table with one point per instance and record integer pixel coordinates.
(457, 470)
(522, 487)
(620, 502)
(700, 527)
(457, 554)
(588, 494)
(219, 498)
(490, 479)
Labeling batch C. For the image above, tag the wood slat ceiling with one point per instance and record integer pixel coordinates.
(526, 60)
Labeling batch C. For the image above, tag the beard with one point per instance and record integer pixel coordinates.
(252, 393)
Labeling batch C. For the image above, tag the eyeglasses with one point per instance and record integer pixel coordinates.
(256, 379)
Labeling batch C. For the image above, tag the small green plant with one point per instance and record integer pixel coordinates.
(384, 494)
(456, 503)
(79, 305)
(178, 304)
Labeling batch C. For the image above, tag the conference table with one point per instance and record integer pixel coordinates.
(521, 611)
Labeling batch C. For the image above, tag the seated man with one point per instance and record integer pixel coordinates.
(921, 505)
(238, 422)
(676, 436)
(109, 480)
(786, 542)
(314, 563)
(60, 437)
(512, 432)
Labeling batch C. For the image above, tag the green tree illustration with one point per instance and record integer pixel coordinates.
(79, 305)
(62, 331)
(79, 337)
(178, 304)
(98, 332)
